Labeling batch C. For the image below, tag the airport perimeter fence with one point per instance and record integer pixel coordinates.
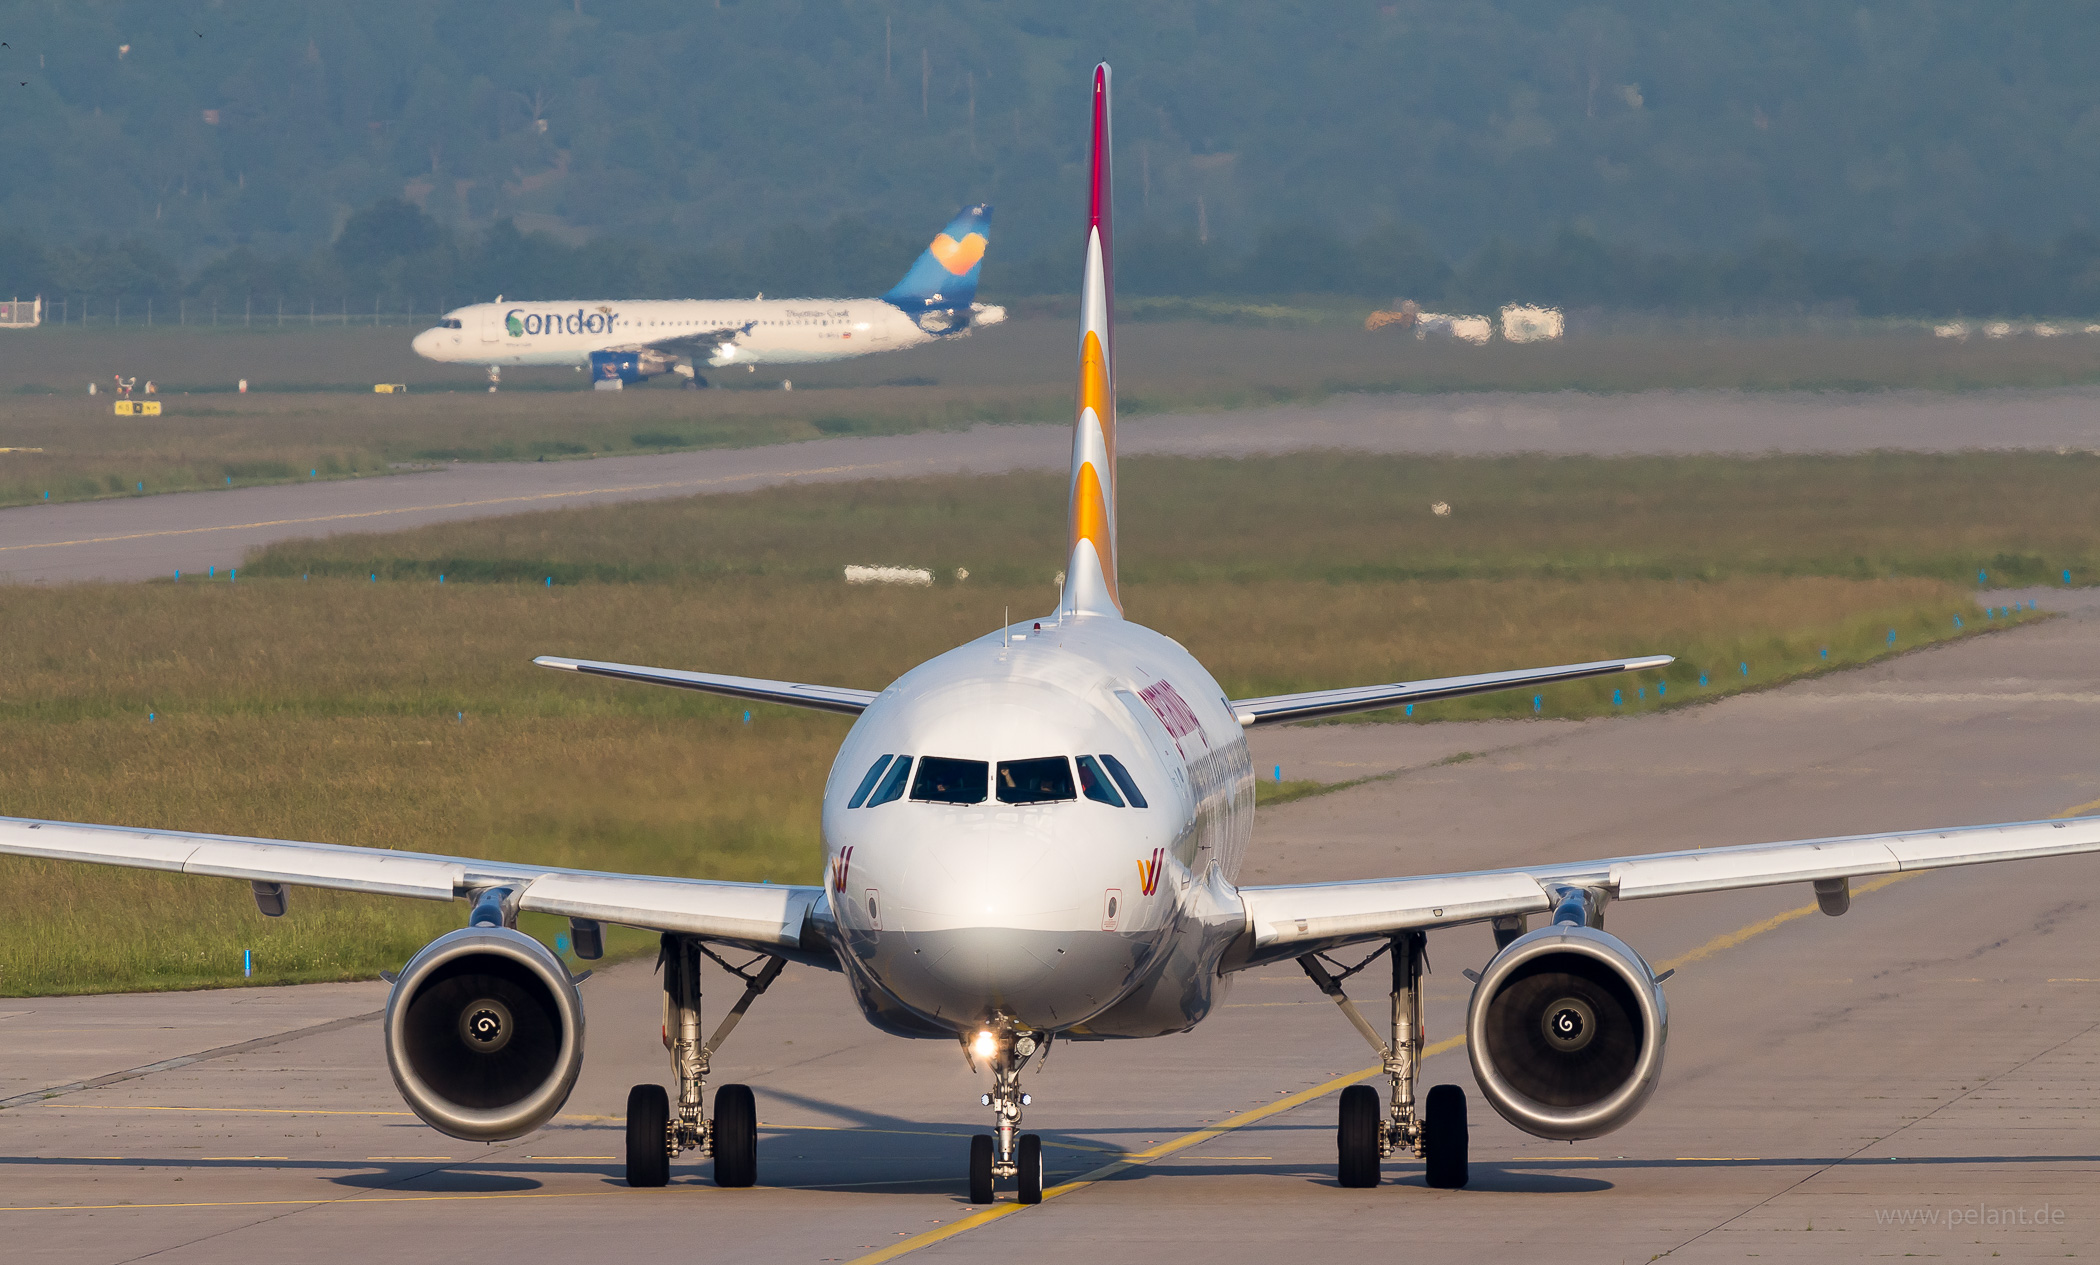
(81, 311)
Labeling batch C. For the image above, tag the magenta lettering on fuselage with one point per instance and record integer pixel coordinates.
(525, 324)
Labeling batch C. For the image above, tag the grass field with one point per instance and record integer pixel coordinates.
(404, 713)
(311, 413)
(1343, 518)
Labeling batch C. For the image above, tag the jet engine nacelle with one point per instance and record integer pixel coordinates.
(1566, 1031)
(484, 1034)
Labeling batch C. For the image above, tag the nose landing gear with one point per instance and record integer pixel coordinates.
(1007, 1152)
(656, 1132)
(495, 378)
(1437, 1133)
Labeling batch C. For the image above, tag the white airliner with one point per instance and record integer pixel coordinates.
(1033, 838)
(623, 341)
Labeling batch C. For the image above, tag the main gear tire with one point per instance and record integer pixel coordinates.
(648, 1136)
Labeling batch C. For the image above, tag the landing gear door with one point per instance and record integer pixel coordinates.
(1162, 744)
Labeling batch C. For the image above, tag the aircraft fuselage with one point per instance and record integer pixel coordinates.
(957, 904)
(723, 333)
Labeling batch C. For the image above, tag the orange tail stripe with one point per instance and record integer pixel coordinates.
(1090, 522)
(1094, 392)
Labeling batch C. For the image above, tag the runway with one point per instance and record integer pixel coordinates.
(155, 536)
(1830, 1082)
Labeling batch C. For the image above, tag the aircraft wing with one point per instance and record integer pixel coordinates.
(755, 915)
(823, 698)
(1319, 704)
(1285, 922)
(689, 340)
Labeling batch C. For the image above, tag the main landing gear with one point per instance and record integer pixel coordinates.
(656, 1133)
(1006, 1152)
(1436, 1133)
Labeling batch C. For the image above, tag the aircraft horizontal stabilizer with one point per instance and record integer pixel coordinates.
(1285, 922)
(823, 698)
(1319, 704)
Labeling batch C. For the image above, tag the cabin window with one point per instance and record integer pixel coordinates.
(892, 786)
(1094, 784)
(1124, 780)
(1041, 781)
(942, 781)
(868, 783)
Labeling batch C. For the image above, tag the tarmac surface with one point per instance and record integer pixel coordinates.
(138, 538)
(1831, 1082)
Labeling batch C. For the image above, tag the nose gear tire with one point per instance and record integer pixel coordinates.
(1356, 1138)
(648, 1147)
(735, 1136)
(1444, 1146)
(981, 1169)
(1031, 1162)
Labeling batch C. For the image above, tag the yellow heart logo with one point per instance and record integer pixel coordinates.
(958, 257)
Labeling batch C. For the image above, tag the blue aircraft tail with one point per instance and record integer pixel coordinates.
(945, 278)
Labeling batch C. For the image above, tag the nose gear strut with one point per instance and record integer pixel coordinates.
(1007, 1152)
(1438, 1134)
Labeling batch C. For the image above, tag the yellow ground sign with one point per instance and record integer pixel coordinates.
(390, 388)
(138, 408)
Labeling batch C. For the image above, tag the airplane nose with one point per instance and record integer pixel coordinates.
(423, 343)
(989, 962)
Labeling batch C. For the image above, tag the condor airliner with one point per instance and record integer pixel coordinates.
(1033, 838)
(622, 342)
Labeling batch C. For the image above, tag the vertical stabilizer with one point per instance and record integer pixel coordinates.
(944, 279)
(1090, 569)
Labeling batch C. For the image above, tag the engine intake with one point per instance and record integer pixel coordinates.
(484, 1034)
(1566, 1031)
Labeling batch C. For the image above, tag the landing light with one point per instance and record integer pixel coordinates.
(985, 1045)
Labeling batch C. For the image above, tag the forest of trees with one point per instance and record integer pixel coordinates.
(1886, 156)
(392, 257)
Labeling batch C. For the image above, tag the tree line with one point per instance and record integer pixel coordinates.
(391, 256)
(1898, 127)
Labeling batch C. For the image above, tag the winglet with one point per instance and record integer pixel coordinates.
(1090, 569)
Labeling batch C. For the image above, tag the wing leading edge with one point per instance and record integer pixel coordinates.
(758, 915)
(1285, 922)
(1319, 704)
(823, 698)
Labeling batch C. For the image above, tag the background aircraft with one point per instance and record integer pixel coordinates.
(1035, 836)
(632, 340)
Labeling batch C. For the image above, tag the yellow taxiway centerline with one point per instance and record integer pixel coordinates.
(1138, 1159)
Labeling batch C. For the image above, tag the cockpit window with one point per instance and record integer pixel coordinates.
(1095, 784)
(943, 781)
(1124, 780)
(450, 323)
(868, 783)
(1041, 781)
(892, 786)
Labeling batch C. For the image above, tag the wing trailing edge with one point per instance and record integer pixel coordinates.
(1320, 704)
(823, 698)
